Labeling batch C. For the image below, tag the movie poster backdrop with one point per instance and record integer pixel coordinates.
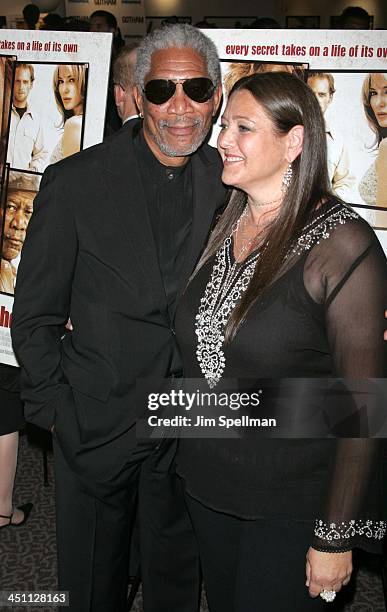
(53, 99)
(352, 60)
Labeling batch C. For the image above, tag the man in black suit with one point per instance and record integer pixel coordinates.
(115, 233)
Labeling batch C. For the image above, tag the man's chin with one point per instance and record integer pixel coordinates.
(10, 255)
(181, 149)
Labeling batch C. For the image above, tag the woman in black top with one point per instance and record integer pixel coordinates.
(291, 285)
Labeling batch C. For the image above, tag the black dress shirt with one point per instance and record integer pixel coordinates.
(168, 193)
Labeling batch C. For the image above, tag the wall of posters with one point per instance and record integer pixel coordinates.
(63, 77)
(348, 74)
(130, 14)
(52, 104)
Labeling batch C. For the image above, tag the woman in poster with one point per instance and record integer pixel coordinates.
(372, 187)
(69, 90)
(269, 300)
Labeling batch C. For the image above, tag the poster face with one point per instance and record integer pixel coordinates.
(15, 212)
(53, 97)
(348, 75)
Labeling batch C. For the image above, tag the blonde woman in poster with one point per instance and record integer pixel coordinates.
(373, 186)
(69, 90)
(277, 519)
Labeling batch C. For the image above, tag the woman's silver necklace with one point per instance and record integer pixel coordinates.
(240, 228)
(264, 204)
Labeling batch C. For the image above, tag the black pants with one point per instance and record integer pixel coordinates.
(253, 566)
(93, 537)
(170, 569)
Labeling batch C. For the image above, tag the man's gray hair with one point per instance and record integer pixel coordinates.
(123, 66)
(177, 35)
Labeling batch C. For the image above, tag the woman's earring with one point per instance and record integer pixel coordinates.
(141, 115)
(287, 179)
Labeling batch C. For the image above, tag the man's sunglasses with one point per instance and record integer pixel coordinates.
(159, 91)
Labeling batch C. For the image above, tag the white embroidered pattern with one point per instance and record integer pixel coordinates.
(340, 531)
(224, 289)
(339, 215)
(229, 281)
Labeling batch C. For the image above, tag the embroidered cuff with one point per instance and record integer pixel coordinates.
(334, 532)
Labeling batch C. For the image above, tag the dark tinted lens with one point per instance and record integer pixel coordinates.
(199, 90)
(159, 91)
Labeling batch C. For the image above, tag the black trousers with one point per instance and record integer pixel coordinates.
(253, 566)
(170, 568)
(93, 537)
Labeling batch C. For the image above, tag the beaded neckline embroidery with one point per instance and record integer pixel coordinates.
(312, 234)
(229, 280)
(226, 286)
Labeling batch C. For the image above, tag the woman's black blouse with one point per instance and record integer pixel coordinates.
(323, 317)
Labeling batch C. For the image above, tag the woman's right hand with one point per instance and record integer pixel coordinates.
(328, 571)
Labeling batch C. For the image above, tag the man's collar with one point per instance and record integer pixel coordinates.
(27, 107)
(130, 118)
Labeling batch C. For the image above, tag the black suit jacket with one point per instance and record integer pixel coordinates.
(90, 254)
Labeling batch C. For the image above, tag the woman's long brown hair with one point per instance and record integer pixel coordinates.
(287, 102)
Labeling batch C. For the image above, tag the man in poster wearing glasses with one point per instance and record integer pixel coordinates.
(121, 225)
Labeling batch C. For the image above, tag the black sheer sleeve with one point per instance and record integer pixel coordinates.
(347, 273)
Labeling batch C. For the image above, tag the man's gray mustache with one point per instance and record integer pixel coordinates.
(163, 123)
